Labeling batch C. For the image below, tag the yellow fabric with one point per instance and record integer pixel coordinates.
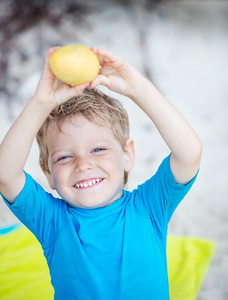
(24, 273)
(188, 261)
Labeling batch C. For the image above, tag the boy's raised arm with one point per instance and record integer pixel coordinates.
(15, 147)
(175, 130)
(183, 142)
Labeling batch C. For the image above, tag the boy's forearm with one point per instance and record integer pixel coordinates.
(15, 147)
(174, 129)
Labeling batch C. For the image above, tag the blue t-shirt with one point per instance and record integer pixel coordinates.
(117, 252)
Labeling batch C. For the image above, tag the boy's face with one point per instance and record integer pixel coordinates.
(87, 163)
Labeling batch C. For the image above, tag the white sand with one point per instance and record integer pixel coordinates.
(185, 51)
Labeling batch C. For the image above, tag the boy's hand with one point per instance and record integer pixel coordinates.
(49, 93)
(116, 74)
(121, 77)
(51, 90)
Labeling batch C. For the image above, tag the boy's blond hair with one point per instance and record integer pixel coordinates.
(94, 106)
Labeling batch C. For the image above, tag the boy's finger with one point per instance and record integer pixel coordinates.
(76, 90)
(50, 51)
(107, 56)
(103, 54)
(48, 54)
(100, 79)
(47, 77)
(99, 58)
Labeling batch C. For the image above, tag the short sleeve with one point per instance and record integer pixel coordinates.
(38, 210)
(160, 196)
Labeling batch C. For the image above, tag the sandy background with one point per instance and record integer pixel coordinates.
(182, 46)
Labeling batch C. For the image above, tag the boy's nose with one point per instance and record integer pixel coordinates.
(83, 164)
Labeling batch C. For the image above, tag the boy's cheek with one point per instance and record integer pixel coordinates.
(50, 180)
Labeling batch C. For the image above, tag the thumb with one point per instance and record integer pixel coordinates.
(76, 90)
(100, 79)
(47, 57)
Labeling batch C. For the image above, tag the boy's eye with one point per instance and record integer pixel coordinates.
(63, 157)
(98, 150)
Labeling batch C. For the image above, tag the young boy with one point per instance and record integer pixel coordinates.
(100, 241)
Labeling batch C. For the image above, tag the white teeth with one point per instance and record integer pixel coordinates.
(88, 183)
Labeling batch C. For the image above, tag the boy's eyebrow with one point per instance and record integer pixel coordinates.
(97, 142)
(55, 152)
(101, 141)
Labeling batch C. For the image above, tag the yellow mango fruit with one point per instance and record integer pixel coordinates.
(74, 64)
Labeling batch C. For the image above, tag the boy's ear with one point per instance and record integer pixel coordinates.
(129, 153)
(50, 180)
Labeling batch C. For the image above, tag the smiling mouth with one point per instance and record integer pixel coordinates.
(88, 183)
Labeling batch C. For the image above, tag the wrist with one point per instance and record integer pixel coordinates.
(41, 105)
(143, 90)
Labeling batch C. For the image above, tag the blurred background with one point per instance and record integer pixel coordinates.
(182, 47)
